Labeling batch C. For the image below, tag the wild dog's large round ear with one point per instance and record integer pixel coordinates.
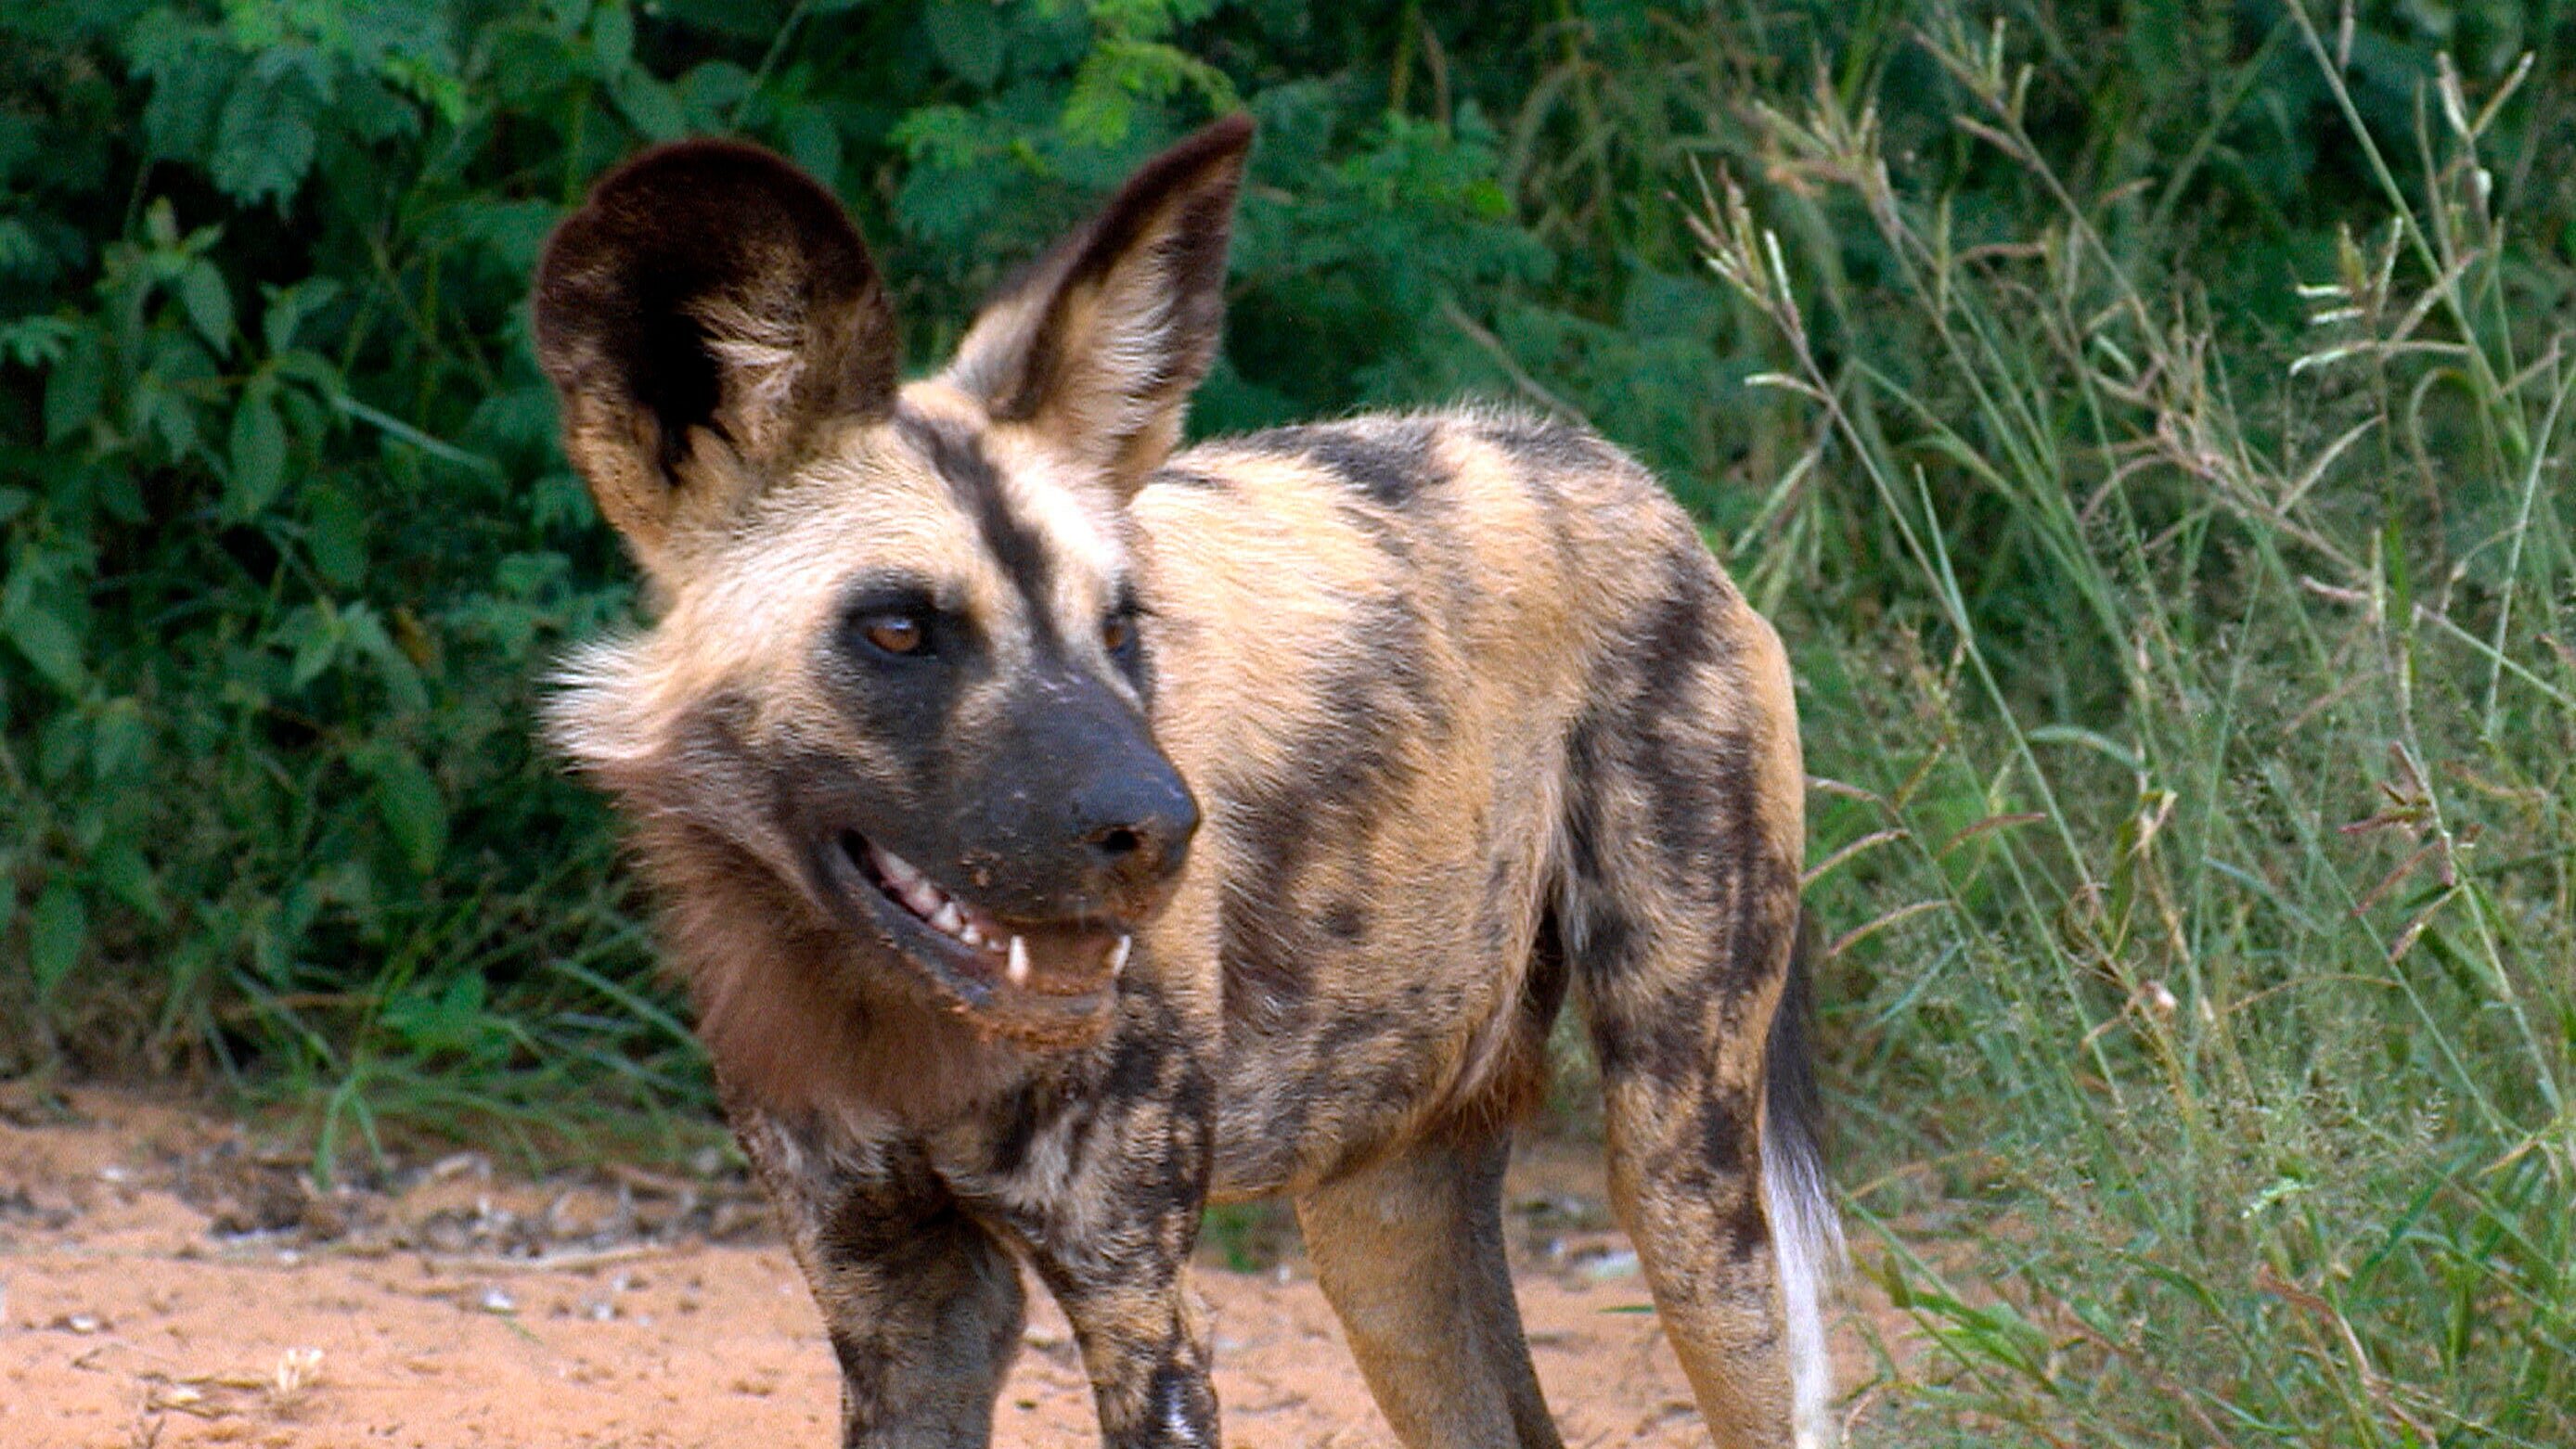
(706, 310)
(1099, 345)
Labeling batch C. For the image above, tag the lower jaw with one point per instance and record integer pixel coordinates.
(976, 993)
(998, 995)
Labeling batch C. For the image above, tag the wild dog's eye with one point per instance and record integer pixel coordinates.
(1118, 632)
(889, 619)
(895, 633)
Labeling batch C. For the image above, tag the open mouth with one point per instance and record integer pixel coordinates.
(1042, 981)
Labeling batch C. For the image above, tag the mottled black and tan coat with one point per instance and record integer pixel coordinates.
(1060, 832)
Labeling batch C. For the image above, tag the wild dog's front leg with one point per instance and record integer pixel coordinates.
(1104, 1188)
(1145, 1345)
(922, 1304)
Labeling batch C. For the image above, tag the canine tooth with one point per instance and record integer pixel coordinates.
(1019, 962)
(949, 918)
(1118, 954)
(923, 897)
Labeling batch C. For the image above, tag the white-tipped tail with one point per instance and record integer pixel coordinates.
(1807, 1243)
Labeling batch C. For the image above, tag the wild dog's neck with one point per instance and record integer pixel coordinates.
(791, 1020)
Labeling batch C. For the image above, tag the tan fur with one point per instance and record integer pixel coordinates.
(1471, 721)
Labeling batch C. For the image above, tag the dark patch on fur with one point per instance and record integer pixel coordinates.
(1346, 920)
(1702, 791)
(1191, 478)
(1029, 1109)
(958, 457)
(1543, 444)
(1384, 529)
(906, 710)
(1793, 1105)
(1389, 464)
(1351, 756)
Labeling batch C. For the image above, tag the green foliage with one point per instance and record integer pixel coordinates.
(2198, 826)
(2146, 418)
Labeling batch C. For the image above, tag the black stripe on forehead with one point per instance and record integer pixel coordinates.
(957, 456)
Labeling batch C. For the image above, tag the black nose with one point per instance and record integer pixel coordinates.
(1136, 825)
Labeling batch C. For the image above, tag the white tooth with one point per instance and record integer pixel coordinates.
(923, 897)
(949, 918)
(897, 871)
(1019, 962)
(970, 935)
(1118, 954)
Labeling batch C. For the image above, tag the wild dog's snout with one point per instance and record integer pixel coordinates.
(1135, 824)
(1104, 819)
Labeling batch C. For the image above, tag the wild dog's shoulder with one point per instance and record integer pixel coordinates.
(1393, 457)
(1526, 505)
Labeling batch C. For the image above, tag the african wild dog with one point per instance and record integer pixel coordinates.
(946, 678)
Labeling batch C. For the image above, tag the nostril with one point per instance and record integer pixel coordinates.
(1119, 841)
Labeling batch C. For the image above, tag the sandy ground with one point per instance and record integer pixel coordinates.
(164, 1282)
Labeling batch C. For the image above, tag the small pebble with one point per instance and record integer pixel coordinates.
(1621, 1264)
(495, 1300)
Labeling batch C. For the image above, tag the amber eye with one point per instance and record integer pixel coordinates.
(895, 633)
(1118, 632)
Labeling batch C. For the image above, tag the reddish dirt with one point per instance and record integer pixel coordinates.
(164, 1283)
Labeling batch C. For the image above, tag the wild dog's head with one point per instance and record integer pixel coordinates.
(892, 715)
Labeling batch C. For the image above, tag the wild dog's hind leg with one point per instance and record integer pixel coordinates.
(1683, 844)
(922, 1304)
(1410, 1251)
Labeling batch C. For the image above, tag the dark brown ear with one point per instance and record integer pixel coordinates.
(1100, 346)
(703, 314)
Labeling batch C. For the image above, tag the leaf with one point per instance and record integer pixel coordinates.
(120, 740)
(258, 455)
(710, 92)
(317, 636)
(190, 79)
(289, 306)
(336, 536)
(367, 635)
(649, 105)
(264, 140)
(966, 35)
(814, 143)
(76, 388)
(209, 303)
(612, 40)
(127, 876)
(49, 643)
(414, 811)
(56, 931)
